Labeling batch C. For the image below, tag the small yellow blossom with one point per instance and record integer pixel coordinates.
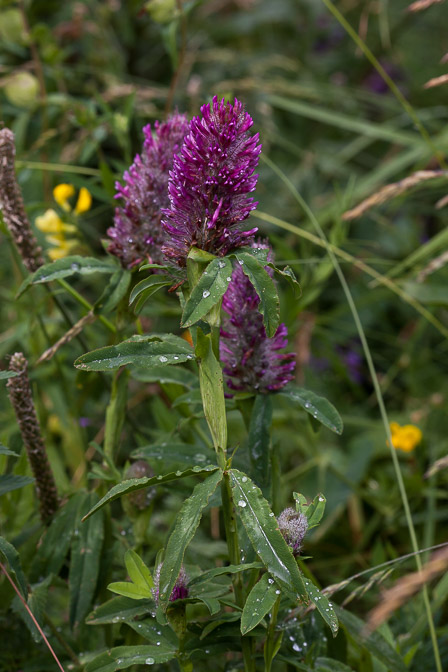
(63, 250)
(84, 201)
(405, 437)
(50, 222)
(61, 194)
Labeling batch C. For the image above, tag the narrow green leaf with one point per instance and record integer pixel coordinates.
(212, 390)
(37, 602)
(165, 374)
(137, 570)
(261, 254)
(152, 282)
(4, 375)
(315, 510)
(263, 284)
(323, 606)
(319, 407)
(115, 414)
(5, 451)
(122, 657)
(85, 563)
(133, 484)
(268, 542)
(155, 633)
(143, 354)
(209, 290)
(218, 571)
(203, 257)
(8, 551)
(259, 602)
(119, 610)
(9, 482)
(114, 291)
(64, 268)
(259, 439)
(374, 642)
(330, 665)
(187, 522)
(129, 589)
(288, 274)
(182, 453)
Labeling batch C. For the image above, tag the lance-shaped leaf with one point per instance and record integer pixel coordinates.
(4, 375)
(8, 551)
(209, 290)
(122, 657)
(259, 602)
(142, 353)
(129, 589)
(319, 407)
(64, 268)
(288, 274)
(205, 577)
(259, 438)
(187, 522)
(179, 453)
(137, 570)
(10, 482)
(323, 606)
(313, 511)
(119, 610)
(146, 288)
(268, 542)
(155, 633)
(113, 292)
(212, 390)
(133, 484)
(85, 563)
(263, 284)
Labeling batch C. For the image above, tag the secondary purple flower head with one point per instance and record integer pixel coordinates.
(210, 182)
(252, 361)
(137, 234)
(180, 590)
(293, 526)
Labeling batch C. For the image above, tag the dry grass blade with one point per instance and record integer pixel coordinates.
(436, 81)
(405, 588)
(439, 465)
(67, 337)
(390, 191)
(433, 266)
(441, 204)
(422, 4)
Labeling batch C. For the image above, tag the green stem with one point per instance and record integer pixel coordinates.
(270, 645)
(81, 300)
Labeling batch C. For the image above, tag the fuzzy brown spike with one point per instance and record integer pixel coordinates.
(12, 206)
(22, 402)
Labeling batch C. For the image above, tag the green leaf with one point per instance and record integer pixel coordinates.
(218, 571)
(9, 482)
(288, 274)
(147, 288)
(85, 563)
(259, 602)
(12, 557)
(209, 290)
(319, 407)
(119, 610)
(268, 542)
(122, 657)
(182, 453)
(263, 284)
(374, 642)
(37, 602)
(212, 390)
(259, 439)
(4, 375)
(165, 374)
(137, 570)
(115, 414)
(64, 268)
(315, 510)
(323, 606)
(113, 292)
(261, 254)
(139, 353)
(203, 257)
(330, 665)
(155, 633)
(187, 522)
(129, 589)
(133, 484)
(5, 451)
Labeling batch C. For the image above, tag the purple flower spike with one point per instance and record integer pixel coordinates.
(210, 182)
(137, 234)
(252, 361)
(293, 526)
(180, 590)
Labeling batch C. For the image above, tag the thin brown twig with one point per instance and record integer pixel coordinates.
(31, 615)
(422, 4)
(67, 337)
(436, 81)
(433, 266)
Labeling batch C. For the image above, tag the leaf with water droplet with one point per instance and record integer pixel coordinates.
(319, 407)
(208, 291)
(259, 602)
(122, 657)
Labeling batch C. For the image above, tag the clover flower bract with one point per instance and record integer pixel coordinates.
(252, 361)
(210, 182)
(137, 234)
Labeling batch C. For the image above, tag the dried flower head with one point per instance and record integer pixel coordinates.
(137, 234)
(293, 526)
(180, 590)
(210, 182)
(252, 361)
(140, 499)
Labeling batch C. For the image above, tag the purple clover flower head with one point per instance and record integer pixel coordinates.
(210, 182)
(137, 234)
(252, 361)
(293, 526)
(180, 590)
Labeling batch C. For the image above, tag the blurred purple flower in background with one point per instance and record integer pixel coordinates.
(252, 361)
(137, 234)
(210, 182)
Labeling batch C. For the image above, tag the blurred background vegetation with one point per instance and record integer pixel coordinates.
(78, 81)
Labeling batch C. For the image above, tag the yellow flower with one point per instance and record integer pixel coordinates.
(405, 437)
(84, 202)
(50, 222)
(63, 250)
(61, 194)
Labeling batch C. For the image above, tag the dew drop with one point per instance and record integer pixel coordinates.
(244, 479)
(296, 647)
(307, 404)
(321, 499)
(163, 358)
(149, 661)
(228, 279)
(205, 293)
(242, 503)
(271, 581)
(277, 592)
